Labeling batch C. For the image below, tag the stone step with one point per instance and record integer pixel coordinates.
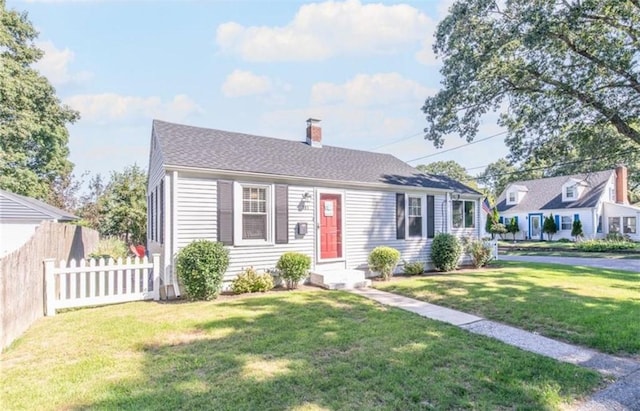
(339, 279)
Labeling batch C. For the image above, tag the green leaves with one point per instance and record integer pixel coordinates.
(565, 68)
(33, 133)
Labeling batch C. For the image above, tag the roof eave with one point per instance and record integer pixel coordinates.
(328, 182)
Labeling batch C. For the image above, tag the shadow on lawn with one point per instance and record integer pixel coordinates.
(338, 351)
(563, 312)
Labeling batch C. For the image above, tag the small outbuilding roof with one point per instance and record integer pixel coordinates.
(18, 207)
(210, 149)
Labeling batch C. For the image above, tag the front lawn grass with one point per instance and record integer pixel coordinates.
(593, 307)
(313, 350)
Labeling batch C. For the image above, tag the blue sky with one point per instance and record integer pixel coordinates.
(363, 68)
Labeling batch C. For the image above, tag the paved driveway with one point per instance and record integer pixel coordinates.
(612, 263)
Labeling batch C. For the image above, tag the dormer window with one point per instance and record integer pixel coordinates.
(571, 192)
(512, 197)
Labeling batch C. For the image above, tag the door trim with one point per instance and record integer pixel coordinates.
(318, 253)
(541, 224)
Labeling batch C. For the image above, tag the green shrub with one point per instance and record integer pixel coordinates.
(293, 267)
(564, 240)
(480, 251)
(445, 252)
(110, 247)
(616, 237)
(605, 245)
(576, 229)
(513, 228)
(414, 268)
(249, 281)
(383, 260)
(498, 228)
(200, 267)
(549, 226)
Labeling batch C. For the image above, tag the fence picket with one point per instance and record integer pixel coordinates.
(73, 292)
(92, 278)
(63, 283)
(83, 280)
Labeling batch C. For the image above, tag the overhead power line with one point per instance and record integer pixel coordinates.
(458, 147)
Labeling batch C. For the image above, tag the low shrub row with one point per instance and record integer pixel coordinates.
(605, 245)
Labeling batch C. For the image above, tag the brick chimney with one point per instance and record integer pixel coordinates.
(621, 185)
(314, 133)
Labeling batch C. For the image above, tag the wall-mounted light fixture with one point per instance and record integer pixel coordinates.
(306, 196)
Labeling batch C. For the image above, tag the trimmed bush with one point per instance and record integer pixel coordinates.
(201, 266)
(293, 267)
(384, 260)
(249, 281)
(605, 245)
(110, 247)
(480, 251)
(415, 268)
(445, 252)
(549, 227)
(576, 230)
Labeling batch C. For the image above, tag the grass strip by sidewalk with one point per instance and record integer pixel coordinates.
(313, 350)
(592, 307)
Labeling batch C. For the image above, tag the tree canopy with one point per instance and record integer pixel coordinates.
(33, 133)
(449, 168)
(567, 70)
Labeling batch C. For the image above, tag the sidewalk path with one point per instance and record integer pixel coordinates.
(622, 395)
(611, 263)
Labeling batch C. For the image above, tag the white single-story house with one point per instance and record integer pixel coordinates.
(264, 196)
(20, 216)
(599, 200)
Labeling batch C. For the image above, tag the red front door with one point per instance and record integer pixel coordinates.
(330, 226)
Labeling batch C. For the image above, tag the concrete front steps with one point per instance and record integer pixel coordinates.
(339, 279)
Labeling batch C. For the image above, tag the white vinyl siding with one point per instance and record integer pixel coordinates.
(197, 208)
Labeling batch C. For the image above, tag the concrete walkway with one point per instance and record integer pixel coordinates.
(611, 263)
(622, 395)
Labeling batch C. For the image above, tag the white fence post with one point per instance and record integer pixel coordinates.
(49, 287)
(156, 276)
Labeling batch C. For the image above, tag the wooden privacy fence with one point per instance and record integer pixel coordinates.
(100, 282)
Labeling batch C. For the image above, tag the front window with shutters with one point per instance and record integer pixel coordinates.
(463, 214)
(566, 223)
(254, 213)
(415, 216)
(253, 210)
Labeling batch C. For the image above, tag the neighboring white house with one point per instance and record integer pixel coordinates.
(263, 196)
(20, 216)
(599, 200)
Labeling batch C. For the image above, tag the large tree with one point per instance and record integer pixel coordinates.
(449, 168)
(497, 176)
(33, 133)
(123, 205)
(566, 70)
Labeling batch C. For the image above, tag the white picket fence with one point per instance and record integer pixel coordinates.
(494, 248)
(91, 282)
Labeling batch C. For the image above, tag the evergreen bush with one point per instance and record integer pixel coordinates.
(383, 260)
(293, 267)
(576, 230)
(445, 252)
(249, 281)
(414, 268)
(549, 227)
(200, 267)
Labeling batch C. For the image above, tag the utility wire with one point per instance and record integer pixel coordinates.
(458, 147)
(397, 141)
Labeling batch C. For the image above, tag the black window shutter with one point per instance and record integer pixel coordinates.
(431, 217)
(282, 213)
(400, 213)
(225, 212)
(161, 213)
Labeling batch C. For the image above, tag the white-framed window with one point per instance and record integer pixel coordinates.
(629, 225)
(254, 210)
(570, 192)
(612, 194)
(566, 223)
(415, 216)
(464, 213)
(614, 224)
(512, 197)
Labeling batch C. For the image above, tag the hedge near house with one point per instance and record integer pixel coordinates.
(445, 252)
(293, 267)
(384, 260)
(201, 266)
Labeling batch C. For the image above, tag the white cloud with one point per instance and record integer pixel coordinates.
(110, 107)
(426, 55)
(54, 65)
(323, 30)
(370, 90)
(244, 83)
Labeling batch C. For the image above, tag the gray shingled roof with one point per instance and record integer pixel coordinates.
(546, 193)
(187, 146)
(37, 205)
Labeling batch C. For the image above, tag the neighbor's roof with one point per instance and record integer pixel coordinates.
(546, 193)
(187, 146)
(18, 207)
